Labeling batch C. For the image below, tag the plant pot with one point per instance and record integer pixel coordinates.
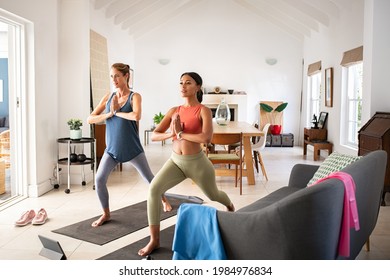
(276, 129)
(75, 134)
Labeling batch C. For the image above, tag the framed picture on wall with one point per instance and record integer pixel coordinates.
(329, 87)
(322, 120)
(131, 82)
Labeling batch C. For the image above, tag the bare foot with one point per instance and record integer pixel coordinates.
(166, 206)
(104, 218)
(149, 248)
(231, 208)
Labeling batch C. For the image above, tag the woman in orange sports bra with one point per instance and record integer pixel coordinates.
(190, 125)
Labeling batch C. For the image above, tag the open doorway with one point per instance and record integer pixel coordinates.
(11, 95)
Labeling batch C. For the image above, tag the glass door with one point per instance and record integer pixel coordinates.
(11, 45)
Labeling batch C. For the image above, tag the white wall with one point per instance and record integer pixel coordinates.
(344, 33)
(119, 44)
(376, 50)
(228, 49)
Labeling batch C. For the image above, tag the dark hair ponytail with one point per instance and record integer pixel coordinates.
(199, 96)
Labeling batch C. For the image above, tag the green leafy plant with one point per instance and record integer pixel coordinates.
(273, 113)
(158, 118)
(75, 124)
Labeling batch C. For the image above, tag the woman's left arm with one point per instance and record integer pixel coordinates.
(136, 104)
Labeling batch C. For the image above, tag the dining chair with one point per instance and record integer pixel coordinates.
(228, 158)
(257, 147)
(254, 139)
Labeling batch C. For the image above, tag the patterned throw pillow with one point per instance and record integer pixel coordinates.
(334, 162)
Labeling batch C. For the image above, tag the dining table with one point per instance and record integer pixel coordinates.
(248, 131)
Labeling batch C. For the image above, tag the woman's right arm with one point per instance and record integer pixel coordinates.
(160, 132)
(96, 116)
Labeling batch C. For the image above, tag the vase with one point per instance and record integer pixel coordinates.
(276, 129)
(222, 114)
(75, 134)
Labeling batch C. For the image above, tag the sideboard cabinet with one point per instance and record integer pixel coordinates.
(375, 135)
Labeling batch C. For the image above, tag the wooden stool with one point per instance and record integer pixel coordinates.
(318, 146)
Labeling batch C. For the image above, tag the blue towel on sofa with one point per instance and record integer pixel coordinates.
(197, 234)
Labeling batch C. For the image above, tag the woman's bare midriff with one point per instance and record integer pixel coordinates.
(183, 147)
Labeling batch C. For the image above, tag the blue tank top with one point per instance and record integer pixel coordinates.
(122, 137)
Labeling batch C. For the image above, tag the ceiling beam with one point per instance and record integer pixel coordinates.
(294, 14)
(153, 9)
(328, 7)
(309, 10)
(298, 34)
(101, 3)
(142, 28)
(284, 16)
(118, 6)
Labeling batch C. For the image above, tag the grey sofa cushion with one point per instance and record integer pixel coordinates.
(2, 121)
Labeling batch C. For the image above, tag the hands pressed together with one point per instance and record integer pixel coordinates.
(176, 125)
(114, 107)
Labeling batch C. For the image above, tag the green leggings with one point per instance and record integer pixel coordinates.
(178, 168)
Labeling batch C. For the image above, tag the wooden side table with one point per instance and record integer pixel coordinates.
(146, 137)
(318, 146)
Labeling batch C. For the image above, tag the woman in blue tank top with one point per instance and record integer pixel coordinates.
(121, 111)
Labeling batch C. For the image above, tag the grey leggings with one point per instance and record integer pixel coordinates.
(107, 164)
(178, 168)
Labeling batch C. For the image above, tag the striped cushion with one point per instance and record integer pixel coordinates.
(334, 162)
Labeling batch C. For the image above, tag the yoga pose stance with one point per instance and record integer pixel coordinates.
(121, 110)
(190, 125)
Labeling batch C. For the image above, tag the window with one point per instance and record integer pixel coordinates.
(352, 90)
(353, 102)
(313, 91)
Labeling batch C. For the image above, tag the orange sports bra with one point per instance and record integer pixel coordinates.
(190, 118)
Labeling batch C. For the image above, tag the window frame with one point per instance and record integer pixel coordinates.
(314, 100)
(352, 102)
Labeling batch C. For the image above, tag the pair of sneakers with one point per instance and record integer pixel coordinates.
(31, 217)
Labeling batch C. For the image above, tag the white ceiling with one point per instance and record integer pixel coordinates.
(299, 18)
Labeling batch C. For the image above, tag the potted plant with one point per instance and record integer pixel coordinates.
(158, 118)
(75, 131)
(274, 116)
